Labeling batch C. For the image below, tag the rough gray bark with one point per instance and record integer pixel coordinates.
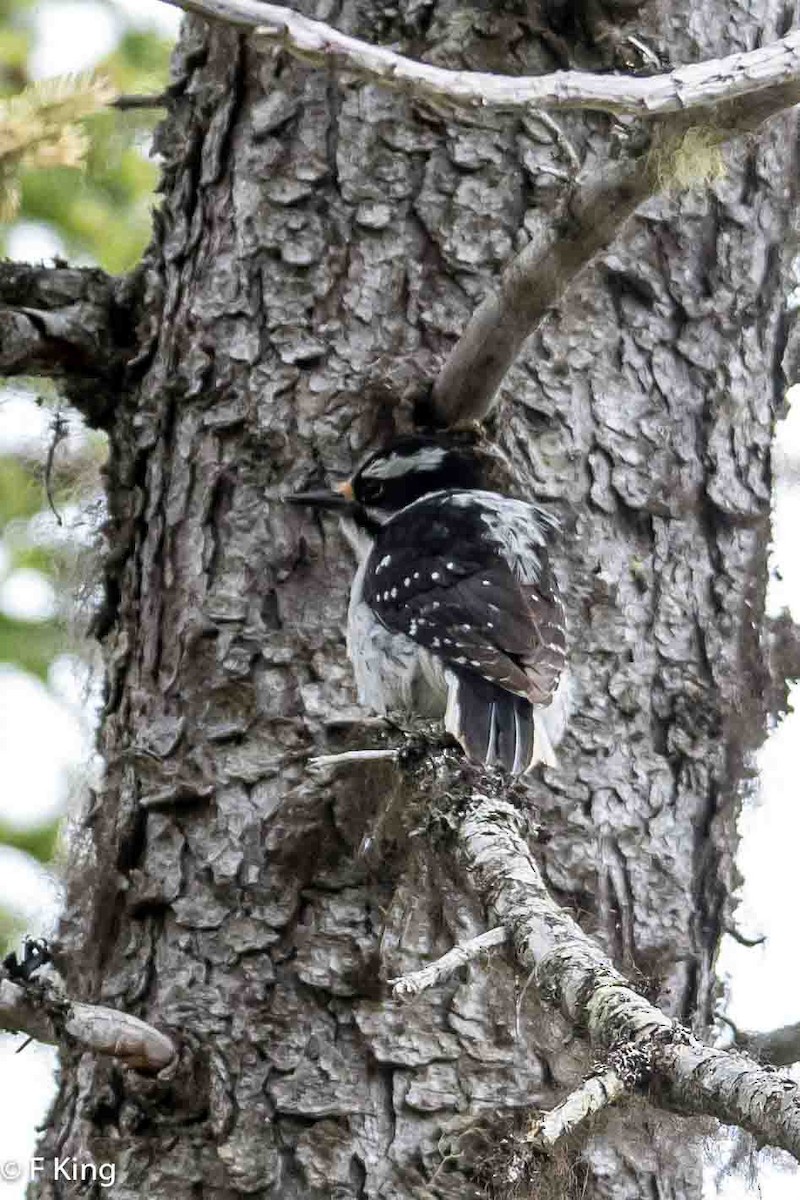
(318, 248)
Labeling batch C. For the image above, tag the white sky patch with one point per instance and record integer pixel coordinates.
(33, 241)
(777, 1179)
(26, 427)
(23, 423)
(764, 991)
(29, 892)
(784, 589)
(57, 24)
(28, 1085)
(153, 13)
(78, 526)
(27, 595)
(787, 442)
(71, 680)
(73, 35)
(40, 741)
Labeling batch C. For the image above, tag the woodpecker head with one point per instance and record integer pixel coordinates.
(395, 476)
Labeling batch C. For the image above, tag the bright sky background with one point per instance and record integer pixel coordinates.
(763, 982)
(44, 732)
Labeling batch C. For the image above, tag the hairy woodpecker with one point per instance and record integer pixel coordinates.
(454, 609)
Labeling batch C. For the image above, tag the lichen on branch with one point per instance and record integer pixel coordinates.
(572, 971)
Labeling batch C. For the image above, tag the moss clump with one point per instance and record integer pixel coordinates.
(693, 157)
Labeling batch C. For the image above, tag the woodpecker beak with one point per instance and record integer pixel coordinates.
(340, 497)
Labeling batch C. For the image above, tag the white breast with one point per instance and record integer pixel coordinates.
(393, 674)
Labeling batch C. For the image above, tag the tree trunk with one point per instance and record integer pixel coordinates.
(319, 245)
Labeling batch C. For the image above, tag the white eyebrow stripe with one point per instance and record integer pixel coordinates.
(428, 458)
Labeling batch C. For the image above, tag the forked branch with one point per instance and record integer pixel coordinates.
(575, 974)
(539, 276)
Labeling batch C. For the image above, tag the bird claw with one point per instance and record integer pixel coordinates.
(422, 738)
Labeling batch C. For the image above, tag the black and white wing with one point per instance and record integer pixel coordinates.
(466, 575)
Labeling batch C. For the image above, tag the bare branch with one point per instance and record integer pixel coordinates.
(779, 1047)
(405, 987)
(128, 102)
(529, 287)
(538, 277)
(571, 970)
(591, 1097)
(742, 939)
(68, 323)
(36, 1009)
(322, 761)
(698, 85)
(735, 94)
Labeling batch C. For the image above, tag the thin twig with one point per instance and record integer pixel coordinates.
(647, 54)
(59, 428)
(126, 103)
(591, 1097)
(559, 137)
(405, 987)
(352, 756)
(742, 939)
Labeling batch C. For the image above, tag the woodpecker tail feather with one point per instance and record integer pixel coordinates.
(496, 727)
